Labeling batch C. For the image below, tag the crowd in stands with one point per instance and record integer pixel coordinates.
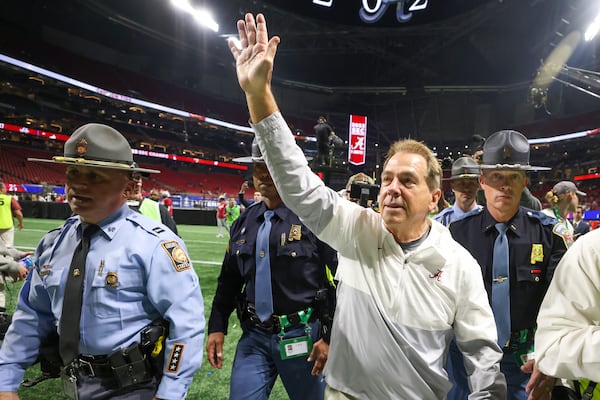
(41, 103)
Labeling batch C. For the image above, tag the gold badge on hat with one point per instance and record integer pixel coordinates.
(112, 279)
(295, 233)
(537, 253)
(82, 145)
(506, 153)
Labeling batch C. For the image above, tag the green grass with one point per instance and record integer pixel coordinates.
(206, 252)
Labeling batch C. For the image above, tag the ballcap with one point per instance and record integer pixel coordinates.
(97, 145)
(566, 187)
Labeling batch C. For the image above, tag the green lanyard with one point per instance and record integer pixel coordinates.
(304, 316)
(559, 218)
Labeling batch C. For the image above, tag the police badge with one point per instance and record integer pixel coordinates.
(112, 279)
(295, 233)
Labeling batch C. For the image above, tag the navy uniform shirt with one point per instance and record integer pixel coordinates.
(534, 251)
(297, 257)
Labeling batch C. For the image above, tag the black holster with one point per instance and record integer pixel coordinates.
(130, 366)
(325, 302)
(152, 342)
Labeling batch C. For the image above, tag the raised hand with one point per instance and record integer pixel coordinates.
(254, 62)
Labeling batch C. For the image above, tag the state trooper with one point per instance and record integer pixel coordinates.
(464, 183)
(296, 327)
(518, 250)
(129, 313)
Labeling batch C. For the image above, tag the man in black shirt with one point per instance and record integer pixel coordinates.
(301, 301)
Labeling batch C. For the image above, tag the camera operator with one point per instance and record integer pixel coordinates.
(327, 140)
(361, 189)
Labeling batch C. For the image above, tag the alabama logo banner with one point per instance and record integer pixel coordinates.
(357, 148)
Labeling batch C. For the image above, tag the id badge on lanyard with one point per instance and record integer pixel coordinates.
(298, 346)
(295, 347)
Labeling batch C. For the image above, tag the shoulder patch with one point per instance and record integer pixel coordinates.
(178, 256)
(559, 229)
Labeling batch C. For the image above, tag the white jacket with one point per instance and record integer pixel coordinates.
(567, 341)
(396, 313)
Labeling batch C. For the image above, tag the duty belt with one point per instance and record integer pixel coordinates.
(274, 323)
(94, 366)
(122, 368)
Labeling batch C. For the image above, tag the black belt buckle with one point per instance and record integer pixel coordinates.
(271, 325)
(84, 366)
(294, 319)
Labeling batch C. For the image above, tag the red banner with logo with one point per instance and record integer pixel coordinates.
(357, 147)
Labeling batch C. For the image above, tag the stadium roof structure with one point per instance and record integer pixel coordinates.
(435, 70)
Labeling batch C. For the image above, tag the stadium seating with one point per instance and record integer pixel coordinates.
(16, 169)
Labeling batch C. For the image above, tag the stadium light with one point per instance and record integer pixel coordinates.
(592, 29)
(203, 17)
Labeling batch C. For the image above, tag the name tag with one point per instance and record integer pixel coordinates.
(295, 347)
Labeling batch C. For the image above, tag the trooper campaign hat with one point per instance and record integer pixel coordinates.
(98, 145)
(464, 168)
(507, 150)
(256, 155)
(563, 187)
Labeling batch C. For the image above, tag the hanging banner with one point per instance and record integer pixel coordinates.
(357, 147)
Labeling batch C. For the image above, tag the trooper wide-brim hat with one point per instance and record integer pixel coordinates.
(256, 155)
(100, 146)
(464, 168)
(507, 150)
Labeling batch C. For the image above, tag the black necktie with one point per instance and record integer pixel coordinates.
(71, 310)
